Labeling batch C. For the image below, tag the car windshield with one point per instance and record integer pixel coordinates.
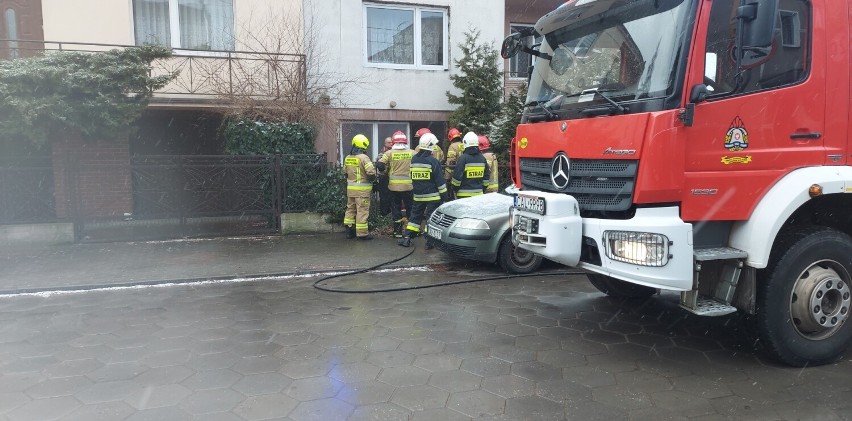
(629, 49)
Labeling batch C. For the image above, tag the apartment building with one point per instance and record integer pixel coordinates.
(379, 66)
(394, 58)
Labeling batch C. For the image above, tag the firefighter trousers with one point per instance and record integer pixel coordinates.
(421, 212)
(357, 213)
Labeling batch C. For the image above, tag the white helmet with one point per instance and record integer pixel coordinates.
(427, 142)
(470, 139)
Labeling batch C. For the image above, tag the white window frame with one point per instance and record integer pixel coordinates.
(375, 142)
(418, 58)
(174, 32)
(515, 58)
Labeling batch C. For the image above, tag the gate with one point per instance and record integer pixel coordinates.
(189, 196)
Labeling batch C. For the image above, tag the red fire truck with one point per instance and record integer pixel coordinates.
(699, 146)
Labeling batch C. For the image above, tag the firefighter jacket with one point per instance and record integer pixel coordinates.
(470, 173)
(359, 171)
(427, 178)
(438, 153)
(491, 185)
(454, 151)
(397, 163)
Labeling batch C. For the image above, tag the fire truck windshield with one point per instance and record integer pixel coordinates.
(626, 48)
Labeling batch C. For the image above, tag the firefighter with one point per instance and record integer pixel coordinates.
(491, 185)
(396, 163)
(454, 150)
(382, 184)
(359, 174)
(471, 170)
(438, 153)
(429, 188)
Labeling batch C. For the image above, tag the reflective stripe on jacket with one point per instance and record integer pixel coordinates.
(427, 178)
(359, 170)
(398, 163)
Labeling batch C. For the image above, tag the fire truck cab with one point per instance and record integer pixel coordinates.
(699, 146)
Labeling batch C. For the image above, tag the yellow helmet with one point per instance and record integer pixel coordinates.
(360, 141)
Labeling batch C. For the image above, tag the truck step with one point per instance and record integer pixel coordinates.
(710, 307)
(719, 253)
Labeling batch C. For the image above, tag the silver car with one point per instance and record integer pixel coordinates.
(478, 228)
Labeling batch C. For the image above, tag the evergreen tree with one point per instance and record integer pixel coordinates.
(507, 122)
(99, 95)
(480, 84)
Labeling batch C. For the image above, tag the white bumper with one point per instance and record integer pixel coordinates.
(559, 234)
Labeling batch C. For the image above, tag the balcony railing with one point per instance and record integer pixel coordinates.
(200, 72)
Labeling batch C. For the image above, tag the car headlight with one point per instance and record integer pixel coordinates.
(472, 224)
(638, 248)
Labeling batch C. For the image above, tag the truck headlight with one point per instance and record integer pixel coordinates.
(638, 248)
(472, 224)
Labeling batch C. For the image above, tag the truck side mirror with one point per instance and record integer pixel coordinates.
(512, 45)
(758, 18)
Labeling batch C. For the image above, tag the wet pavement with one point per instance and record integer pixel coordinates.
(28, 268)
(539, 347)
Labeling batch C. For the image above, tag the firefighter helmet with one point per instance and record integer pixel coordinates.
(399, 137)
(421, 132)
(453, 133)
(484, 143)
(360, 141)
(428, 142)
(470, 139)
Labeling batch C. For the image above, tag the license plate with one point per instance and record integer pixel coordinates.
(530, 204)
(434, 232)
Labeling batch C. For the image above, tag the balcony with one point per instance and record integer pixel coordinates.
(203, 75)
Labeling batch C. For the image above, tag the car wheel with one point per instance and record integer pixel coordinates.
(515, 259)
(803, 297)
(618, 288)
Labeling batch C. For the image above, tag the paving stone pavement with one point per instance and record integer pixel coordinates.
(537, 348)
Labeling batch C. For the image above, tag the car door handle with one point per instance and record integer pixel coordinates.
(814, 135)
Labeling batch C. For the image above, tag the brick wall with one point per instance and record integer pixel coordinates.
(91, 177)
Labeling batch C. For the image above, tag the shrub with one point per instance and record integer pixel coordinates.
(244, 137)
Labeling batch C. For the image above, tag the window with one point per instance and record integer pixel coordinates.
(405, 37)
(189, 24)
(784, 63)
(519, 65)
(11, 32)
(375, 131)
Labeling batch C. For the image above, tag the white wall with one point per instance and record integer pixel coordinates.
(111, 21)
(343, 40)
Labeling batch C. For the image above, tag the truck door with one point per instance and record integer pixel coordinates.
(760, 121)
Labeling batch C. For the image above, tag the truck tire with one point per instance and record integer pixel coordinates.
(618, 288)
(515, 259)
(803, 297)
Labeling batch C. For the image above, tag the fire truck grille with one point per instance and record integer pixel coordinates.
(598, 185)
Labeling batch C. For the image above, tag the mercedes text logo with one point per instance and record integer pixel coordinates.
(559, 171)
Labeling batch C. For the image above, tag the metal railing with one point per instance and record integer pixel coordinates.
(201, 72)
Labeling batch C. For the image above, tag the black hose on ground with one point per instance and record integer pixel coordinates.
(396, 289)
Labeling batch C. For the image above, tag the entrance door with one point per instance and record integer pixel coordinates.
(20, 25)
(760, 122)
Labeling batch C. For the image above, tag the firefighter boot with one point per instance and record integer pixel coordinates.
(405, 241)
(350, 232)
(397, 229)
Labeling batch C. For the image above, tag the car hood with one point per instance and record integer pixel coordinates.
(478, 206)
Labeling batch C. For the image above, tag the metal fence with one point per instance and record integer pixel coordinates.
(162, 196)
(26, 189)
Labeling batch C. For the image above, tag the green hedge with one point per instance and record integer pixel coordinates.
(263, 138)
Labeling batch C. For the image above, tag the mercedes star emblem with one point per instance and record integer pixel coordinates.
(559, 170)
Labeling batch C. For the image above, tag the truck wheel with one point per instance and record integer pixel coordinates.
(618, 288)
(515, 259)
(803, 297)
